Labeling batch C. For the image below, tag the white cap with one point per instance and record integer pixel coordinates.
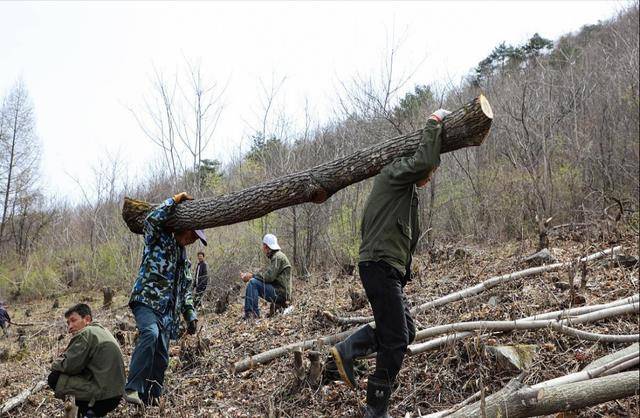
(271, 241)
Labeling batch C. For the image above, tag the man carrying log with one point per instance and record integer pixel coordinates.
(91, 368)
(272, 284)
(390, 232)
(161, 293)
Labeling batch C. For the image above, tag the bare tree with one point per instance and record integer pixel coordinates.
(20, 156)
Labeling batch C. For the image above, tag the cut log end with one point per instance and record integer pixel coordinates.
(485, 106)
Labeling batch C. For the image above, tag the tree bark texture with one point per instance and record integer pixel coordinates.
(528, 402)
(465, 127)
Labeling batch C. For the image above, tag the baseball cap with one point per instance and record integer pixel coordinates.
(271, 241)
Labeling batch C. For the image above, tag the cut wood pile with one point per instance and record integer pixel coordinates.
(495, 335)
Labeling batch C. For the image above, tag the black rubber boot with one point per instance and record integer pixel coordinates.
(378, 394)
(361, 343)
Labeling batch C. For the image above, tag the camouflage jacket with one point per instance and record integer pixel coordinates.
(164, 280)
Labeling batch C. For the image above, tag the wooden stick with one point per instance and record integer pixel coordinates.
(603, 360)
(454, 408)
(625, 361)
(521, 324)
(22, 397)
(568, 313)
(482, 287)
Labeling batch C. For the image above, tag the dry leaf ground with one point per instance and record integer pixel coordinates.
(199, 381)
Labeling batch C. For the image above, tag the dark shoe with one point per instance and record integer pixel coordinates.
(360, 344)
(378, 394)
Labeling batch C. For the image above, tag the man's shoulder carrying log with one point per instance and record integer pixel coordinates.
(465, 127)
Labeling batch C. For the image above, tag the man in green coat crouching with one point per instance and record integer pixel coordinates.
(390, 232)
(91, 368)
(272, 284)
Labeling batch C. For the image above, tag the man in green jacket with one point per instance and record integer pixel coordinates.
(390, 232)
(273, 283)
(91, 368)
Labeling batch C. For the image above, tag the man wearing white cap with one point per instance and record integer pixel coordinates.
(272, 284)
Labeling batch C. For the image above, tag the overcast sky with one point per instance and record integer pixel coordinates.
(86, 63)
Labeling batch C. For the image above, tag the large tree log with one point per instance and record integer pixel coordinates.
(465, 127)
(619, 359)
(518, 402)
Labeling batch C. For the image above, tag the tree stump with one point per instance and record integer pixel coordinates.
(299, 371)
(358, 300)
(315, 369)
(107, 297)
(70, 408)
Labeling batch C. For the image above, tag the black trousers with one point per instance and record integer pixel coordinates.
(395, 329)
(99, 409)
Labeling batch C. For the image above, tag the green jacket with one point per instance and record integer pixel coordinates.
(390, 227)
(278, 273)
(91, 367)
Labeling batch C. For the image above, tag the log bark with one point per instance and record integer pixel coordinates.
(21, 397)
(465, 127)
(527, 402)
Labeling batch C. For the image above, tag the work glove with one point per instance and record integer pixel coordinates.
(181, 197)
(192, 326)
(439, 114)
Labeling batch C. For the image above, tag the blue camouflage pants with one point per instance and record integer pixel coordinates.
(150, 357)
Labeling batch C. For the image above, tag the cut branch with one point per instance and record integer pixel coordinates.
(465, 127)
(463, 329)
(481, 287)
(21, 397)
(274, 353)
(612, 309)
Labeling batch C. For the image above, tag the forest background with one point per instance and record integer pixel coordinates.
(564, 144)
